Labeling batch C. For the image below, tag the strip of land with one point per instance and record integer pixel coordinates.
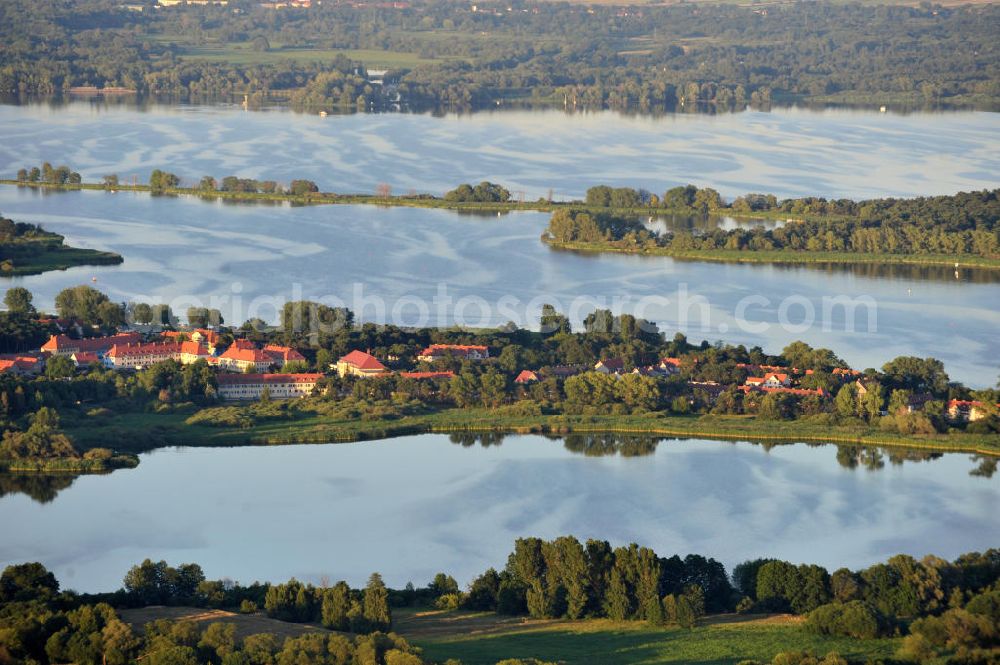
(138, 432)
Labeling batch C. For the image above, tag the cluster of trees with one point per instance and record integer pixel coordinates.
(484, 192)
(40, 624)
(945, 608)
(60, 175)
(649, 58)
(566, 578)
(967, 223)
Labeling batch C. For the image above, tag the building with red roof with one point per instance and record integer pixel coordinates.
(137, 356)
(239, 358)
(610, 366)
(278, 386)
(63, 345)
(282, 355)
(463, 351)
(360, 363)
(84, 359)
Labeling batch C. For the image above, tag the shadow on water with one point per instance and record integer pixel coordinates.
(41, 488)
(850, 457)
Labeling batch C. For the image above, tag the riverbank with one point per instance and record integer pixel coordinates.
(785, 256)
(141, 432)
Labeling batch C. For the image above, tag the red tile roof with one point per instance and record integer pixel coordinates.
(163, 348)
(58, 343)
(526, 376)
(362, 360)
(84, 358)
(246, 355)
(285, 353)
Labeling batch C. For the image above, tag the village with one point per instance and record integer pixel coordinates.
(246, 370)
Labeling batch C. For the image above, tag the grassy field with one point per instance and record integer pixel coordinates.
(246, 624)
(484, 639)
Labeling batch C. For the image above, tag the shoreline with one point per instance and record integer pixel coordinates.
(426, 201)
(170, 430)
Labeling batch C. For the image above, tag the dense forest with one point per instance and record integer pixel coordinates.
(967, 223)
(946, 609)
(457, 55)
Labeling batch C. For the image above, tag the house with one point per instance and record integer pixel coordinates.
(427, 375)
(769, 380)
(282, 355)
(967, 411)
(137, 356)
(85, 359)
(669, 366)
(239, 358)
(845, 373)
(21, 365)
(527, 376)
(62, 345)
(463, 351)
(209, 338)
(278, 386)
(610, 366)
(359, 363)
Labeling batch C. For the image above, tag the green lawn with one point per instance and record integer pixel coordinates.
(485, 639)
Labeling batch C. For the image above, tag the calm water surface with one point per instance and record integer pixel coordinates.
(414, 506)
(788, 152)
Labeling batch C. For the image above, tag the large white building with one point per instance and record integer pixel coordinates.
(278, 386)
(137, 356)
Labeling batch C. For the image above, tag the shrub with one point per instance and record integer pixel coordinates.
(448, 601)
(854, 619)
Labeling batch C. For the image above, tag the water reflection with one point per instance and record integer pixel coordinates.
(41, 488)
(609, 444)
(701, 224)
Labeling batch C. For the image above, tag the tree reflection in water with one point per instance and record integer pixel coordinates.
(41, 488)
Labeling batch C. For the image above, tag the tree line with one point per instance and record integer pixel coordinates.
(648, 58)
(963, 224)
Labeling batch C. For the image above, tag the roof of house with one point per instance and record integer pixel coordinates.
(163, 348)
(362, 360)
(789, 391)
(427, 375)
(775, 375)
(251, 355)
(85, 358)
(93, 344)
(526, 376)
(285, 353)
(612, 363)
(245, 379)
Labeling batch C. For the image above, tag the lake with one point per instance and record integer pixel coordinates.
(434, 267)
(411, 507)
(789, 151)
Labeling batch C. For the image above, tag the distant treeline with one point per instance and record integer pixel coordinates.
(966, 223)
(451, 54)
